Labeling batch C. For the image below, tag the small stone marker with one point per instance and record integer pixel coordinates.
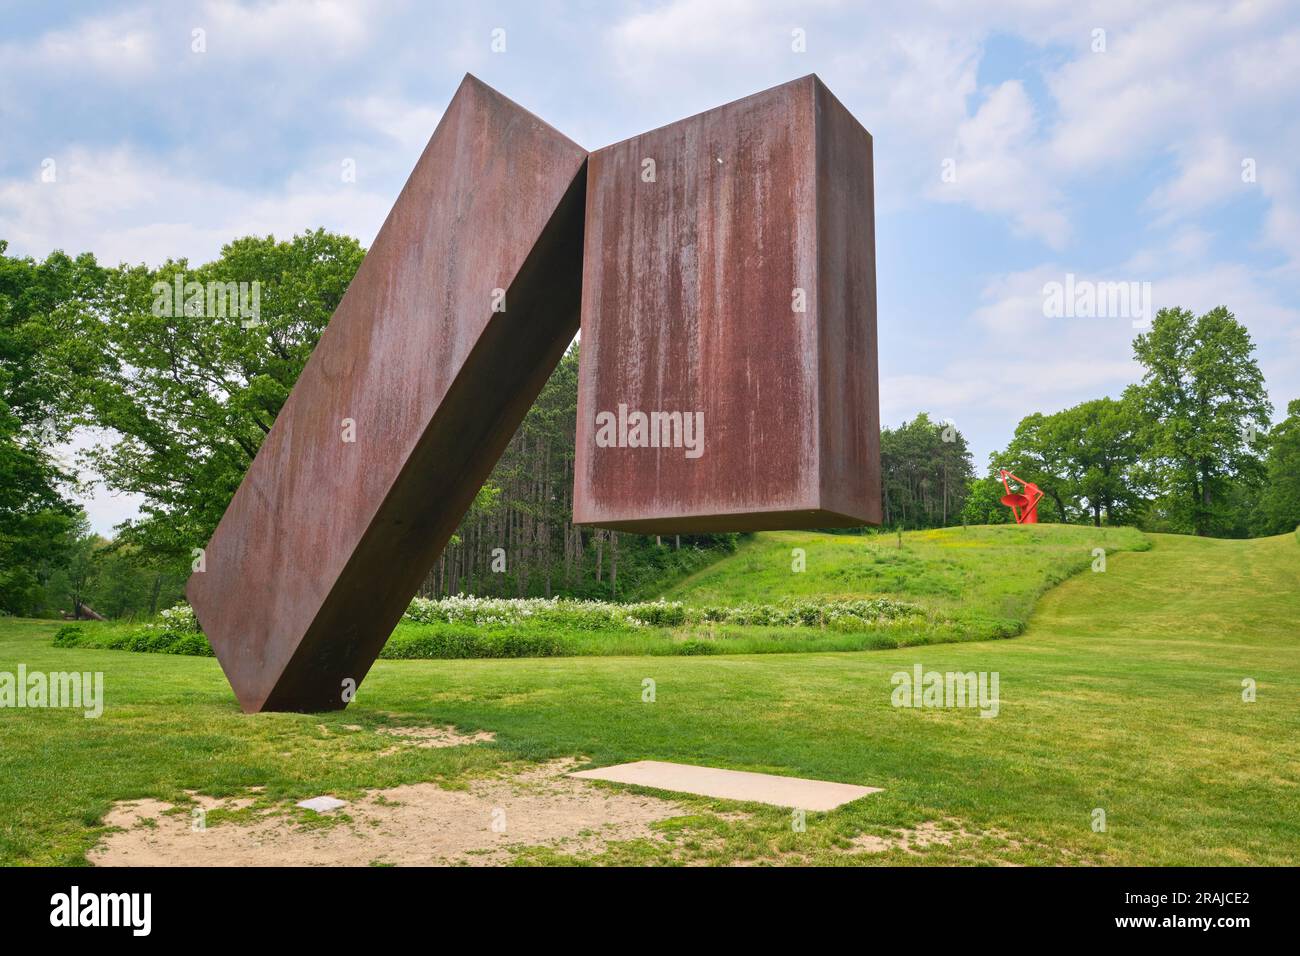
(322, 804)
(796, 792)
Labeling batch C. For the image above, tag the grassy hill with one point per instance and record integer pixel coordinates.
(1125, 694)
(779, 592)
(987, 577)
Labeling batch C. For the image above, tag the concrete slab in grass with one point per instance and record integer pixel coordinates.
(322, 804)
(795, 792)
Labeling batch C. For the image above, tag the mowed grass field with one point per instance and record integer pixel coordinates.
(1124, 694)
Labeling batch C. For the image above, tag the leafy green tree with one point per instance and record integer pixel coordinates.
(926, 470)
(41, 357)
(74, 581)
(44, 307)
(1203, 402)
(983, 504)
(192, 389)
(129, 583)
(1102, 451)
(31, 510)
(1039, 452)
(1083, 458)
(1278, 508)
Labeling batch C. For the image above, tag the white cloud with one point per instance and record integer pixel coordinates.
(409, 124)
(1210, 172)
(126, 206)
(690, 32)
(998, 168)
(295, 29)
(120, 45)
(1282, 222)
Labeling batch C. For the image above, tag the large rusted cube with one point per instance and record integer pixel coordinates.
(728, 378)
(459, 312)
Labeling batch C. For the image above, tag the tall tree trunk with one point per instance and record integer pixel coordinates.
(1203, 519)
(613, 565)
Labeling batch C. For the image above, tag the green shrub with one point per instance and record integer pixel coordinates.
(69, 635)
(147, 638)
(195, 645)
(466, 642)
(693, 647)
(845, 615)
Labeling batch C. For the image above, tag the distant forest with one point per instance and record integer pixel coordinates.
(524, 510)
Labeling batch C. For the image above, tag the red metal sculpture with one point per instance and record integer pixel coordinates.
(1023, 504)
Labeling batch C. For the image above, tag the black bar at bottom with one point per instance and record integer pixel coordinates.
(347, 906)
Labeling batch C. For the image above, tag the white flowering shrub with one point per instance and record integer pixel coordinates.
(177, 620)
(842, 615)
(603, 615)
(580, 615)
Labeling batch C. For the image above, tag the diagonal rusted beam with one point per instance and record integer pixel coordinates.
(327, 539)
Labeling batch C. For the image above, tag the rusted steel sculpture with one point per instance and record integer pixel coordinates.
(728, 377)
(455, 319)
(727, 380)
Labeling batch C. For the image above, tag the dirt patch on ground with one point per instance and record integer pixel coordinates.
(418, 824)
(436, 736)
(916, 839)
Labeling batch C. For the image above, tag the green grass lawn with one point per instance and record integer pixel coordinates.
(1125, 694)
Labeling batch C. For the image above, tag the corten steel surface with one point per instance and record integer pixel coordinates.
(687, 305)
(325, 542)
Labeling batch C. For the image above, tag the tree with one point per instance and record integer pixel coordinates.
(1083, 459)
(81, 569)
(192, 389)
(1279, 501)
(518, 537)
(1203, 402)
(983, 503)
(41, 305)
(926, 470)
(1101, 449)
(1038, 452)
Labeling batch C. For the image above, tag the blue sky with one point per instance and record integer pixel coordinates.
(1114, 155)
